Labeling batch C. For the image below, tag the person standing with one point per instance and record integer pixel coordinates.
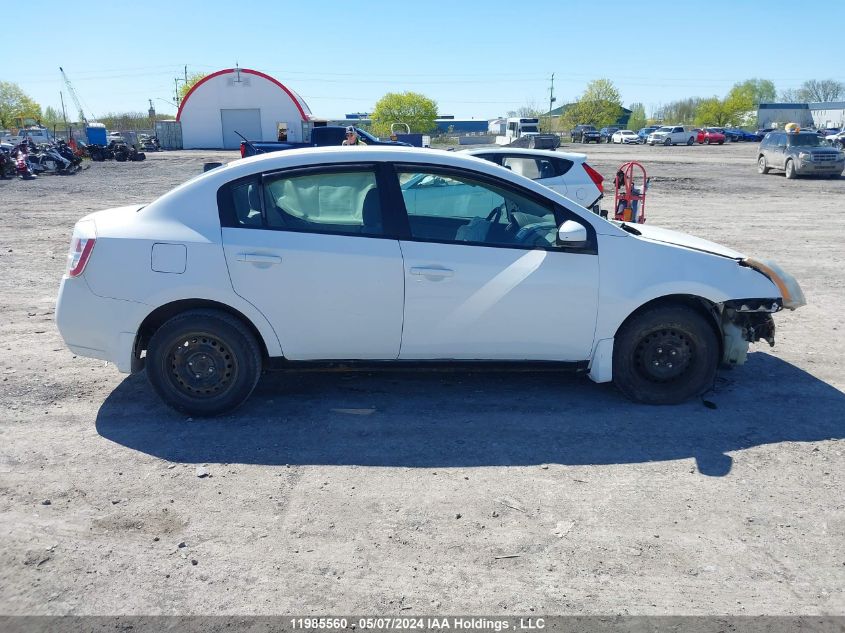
(352, 137)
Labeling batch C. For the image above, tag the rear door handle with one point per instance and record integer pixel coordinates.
(259, 258)
(433, 273)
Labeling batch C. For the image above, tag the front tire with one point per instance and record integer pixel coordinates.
(665, 355)
(203, 362)
(762, 168)
(790, 170)
(667, 142)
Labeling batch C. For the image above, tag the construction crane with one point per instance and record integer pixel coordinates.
(74, 97)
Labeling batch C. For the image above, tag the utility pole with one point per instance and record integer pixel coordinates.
(64, 114)
(552, 99)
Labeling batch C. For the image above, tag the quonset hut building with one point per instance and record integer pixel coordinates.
(243, 100)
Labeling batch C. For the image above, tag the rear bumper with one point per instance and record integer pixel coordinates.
(97, 327)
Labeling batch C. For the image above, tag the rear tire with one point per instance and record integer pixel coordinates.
(691, 140)
(665, 355)
(790, 170)
(203, 362)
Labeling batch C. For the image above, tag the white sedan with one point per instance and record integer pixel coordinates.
(625, 136)
(379, 254)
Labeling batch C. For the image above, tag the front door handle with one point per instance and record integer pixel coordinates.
(259, 258)
(432, 273)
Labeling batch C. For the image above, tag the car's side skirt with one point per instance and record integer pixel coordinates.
(282, 364)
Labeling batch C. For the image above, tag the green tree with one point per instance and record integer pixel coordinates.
(184, 88)
(739, 104)
(600, 105)
(681, 112)
(52, 117)
(761, 90)
(14, 104)
(638, 117)
(711, 111)
(416, 110)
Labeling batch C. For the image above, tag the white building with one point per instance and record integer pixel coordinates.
(243, 100)
(822, 114)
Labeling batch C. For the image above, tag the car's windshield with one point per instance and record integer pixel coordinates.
(626, 132)
(804, 140)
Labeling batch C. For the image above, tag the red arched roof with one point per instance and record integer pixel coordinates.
(248, 71)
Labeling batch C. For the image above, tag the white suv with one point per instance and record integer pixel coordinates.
(372, 254)
(671, 135)
(564, 172)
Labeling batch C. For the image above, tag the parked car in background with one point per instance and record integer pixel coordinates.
(625, 137)
(672, 135)
(711, 135)
(564, 172)
(607, 132)
(761, 132)
(310, 257)
(799, 154)
(738, 135)
(585, 134)
(645, 131)
(324, 136)
(829, 131)
(837, 139)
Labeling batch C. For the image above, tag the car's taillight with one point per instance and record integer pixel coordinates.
(595, 176)
(81, 245)
(243, 149)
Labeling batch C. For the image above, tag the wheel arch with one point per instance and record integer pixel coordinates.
(158, 317)
(601, 363)
(703, 306)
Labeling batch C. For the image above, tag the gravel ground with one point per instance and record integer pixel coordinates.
(412, 493)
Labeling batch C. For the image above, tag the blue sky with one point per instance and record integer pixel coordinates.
(476, 59)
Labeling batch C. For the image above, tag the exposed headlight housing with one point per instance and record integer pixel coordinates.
(793, 296)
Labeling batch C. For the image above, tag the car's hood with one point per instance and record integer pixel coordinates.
(668, 236)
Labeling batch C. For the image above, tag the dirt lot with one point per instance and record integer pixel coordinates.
(431, 493)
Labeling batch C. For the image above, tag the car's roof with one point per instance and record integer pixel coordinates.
(525, 152)
(315, 156)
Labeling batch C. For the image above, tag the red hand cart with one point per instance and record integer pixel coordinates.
(631, 184)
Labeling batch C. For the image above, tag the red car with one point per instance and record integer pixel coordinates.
(711, 135)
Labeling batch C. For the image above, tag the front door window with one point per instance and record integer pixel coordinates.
(453, 208)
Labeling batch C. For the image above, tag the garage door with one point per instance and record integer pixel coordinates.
(247, 122)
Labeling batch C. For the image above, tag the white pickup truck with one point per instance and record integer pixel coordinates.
(671, 135)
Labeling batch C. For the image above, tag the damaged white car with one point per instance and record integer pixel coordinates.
(307, 258)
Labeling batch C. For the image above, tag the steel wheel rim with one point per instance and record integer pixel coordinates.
(201, 365)
(664, 356)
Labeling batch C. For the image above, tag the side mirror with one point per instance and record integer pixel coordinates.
(571, 233)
